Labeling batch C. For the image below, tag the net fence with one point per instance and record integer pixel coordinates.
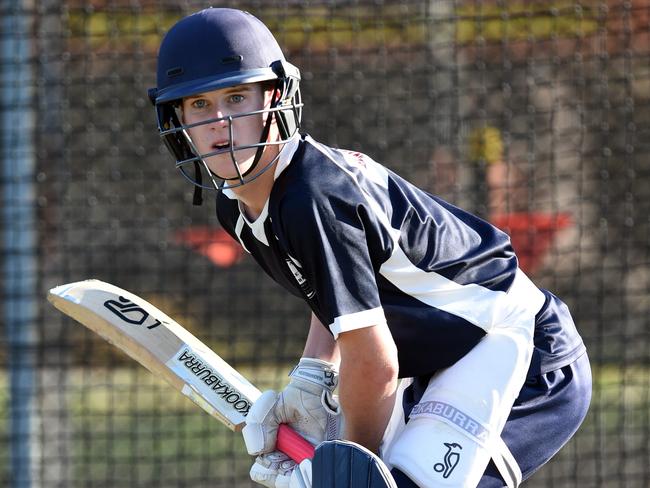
(534, 115)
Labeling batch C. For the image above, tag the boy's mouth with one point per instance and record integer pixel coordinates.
(221, 145)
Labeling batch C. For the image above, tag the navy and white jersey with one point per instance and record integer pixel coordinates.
(365, 247)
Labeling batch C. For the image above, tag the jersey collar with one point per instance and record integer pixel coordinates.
(257, 226)
(286, 155)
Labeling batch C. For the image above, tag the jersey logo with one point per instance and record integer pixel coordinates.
(300, 279)
(355, 158)
(450, 461)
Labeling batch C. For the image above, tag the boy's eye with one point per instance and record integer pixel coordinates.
(200, 103)
(237, 98)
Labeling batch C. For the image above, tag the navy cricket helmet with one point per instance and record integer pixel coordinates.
(213, 49)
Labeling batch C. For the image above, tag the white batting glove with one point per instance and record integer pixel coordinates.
(276, 470)
(307, 404)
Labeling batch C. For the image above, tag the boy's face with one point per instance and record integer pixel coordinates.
(215, 135)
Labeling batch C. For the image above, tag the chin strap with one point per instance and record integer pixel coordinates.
(198, 193)
(263, 137)
(260, 149)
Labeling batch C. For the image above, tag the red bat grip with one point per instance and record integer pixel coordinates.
(293, 444)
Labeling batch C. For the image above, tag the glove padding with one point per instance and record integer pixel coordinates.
(307, 404)
(276, 470)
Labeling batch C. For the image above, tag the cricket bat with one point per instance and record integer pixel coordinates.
(170, 352)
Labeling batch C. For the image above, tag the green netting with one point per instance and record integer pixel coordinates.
(535, 115)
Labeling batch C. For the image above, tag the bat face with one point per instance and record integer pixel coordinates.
(161, 345)
(169, 351)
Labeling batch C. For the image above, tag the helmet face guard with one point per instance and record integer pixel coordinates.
(213, 49)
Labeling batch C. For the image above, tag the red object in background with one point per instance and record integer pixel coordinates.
(214, 244)
(531, 233)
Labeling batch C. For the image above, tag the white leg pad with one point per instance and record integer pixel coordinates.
(455, 428)
(432, 453)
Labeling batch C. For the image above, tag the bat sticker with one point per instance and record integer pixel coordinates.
(136, 315)
(187, 363)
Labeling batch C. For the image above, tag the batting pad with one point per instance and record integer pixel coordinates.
(454, 430)
(345, 464)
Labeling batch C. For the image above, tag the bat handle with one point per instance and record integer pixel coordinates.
(293, 444)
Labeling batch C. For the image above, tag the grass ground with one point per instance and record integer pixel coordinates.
(128, 429)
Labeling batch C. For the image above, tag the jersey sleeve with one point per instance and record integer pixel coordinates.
(338, 245)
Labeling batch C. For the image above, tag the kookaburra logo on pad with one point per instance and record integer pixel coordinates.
(450, 461)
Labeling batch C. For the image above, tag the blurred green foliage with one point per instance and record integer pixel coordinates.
(322, 28)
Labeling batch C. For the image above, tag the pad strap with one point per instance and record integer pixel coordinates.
(506, 463)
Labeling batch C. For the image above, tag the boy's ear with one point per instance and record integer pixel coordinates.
(271, 95)
(180, 113)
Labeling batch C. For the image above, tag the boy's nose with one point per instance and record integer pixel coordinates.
(219, 119)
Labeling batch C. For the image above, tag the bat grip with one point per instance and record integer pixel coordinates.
(293, 444)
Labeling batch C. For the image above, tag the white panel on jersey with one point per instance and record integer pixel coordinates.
(478, 305)
(358, 320)
(238, 228)
(257, 226)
